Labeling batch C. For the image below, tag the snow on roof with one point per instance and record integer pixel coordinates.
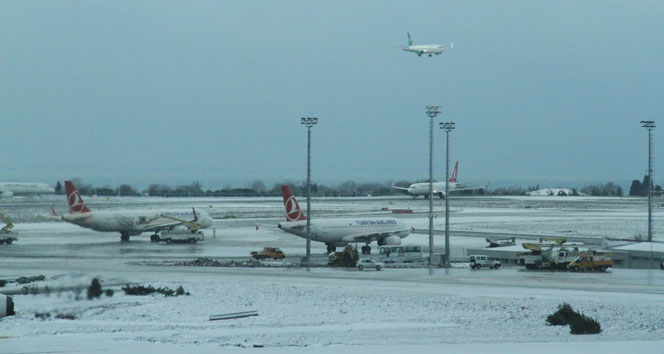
(641, 246)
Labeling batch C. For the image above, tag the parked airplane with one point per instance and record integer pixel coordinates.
(422, 188)
(10, 189)
(425, 48)
(131, 222)
(336, 232)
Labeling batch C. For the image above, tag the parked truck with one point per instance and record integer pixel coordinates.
(591, 261)
(347, 258)
(551, 256)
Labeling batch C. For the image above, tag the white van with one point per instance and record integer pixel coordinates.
(479, 261)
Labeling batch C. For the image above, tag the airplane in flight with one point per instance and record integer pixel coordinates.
(10, 189)
(335, 232)
(131, 222)
(425, 48)
(422, 188)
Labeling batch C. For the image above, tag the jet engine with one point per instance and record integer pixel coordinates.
(6, 306)
(6, 194)
(390, 240)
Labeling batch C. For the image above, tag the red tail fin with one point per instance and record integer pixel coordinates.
(453, 179)
(76, 205)
(293, 211)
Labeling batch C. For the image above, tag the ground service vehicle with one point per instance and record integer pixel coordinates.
(400, 254)
(549, 256)
(479, 261)
(347, 258)
(369, 263)
(6, 234)
(178, 236)
(269, 252)
(591, 261)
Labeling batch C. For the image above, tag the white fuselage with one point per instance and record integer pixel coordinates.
(425, 49)
(9, 189)
(423, 188)
(134, 222)
(346, 230)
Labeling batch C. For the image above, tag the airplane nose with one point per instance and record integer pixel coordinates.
(279, 226)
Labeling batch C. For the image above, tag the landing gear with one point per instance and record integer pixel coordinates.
(331, 248)
(124, 237)
(154, 238)
(366, 249)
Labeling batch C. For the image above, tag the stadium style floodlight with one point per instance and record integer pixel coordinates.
(650, 126)
(309, 122)
(447, 127)
(432, 112)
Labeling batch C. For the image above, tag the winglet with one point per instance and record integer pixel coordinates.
(195, 215)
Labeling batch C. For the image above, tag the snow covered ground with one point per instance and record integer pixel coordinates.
(324, 310)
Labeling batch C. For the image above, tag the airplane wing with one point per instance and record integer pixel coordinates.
(401, 188)
(167, 222)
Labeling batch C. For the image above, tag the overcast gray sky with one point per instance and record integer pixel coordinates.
(176, 91)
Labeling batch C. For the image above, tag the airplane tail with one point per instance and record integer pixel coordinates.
(293, 211)
(453, 179)
(410, 41)
(76, 204)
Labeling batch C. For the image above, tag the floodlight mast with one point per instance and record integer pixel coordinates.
(448, 127)
(308, 122)
(650, 126)
(432, 111)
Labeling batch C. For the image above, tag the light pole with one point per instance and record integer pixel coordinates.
(432, 112)
(650, 125)
(447, 126)
(309, 122)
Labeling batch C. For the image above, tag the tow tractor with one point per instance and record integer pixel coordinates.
(6, 234)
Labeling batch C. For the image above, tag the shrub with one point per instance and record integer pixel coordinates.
(42, 315)
(109, 292)
(583, 324)
(63, 316)
(563, 316)
(578, 322)
(26, 280)
(147, 290)
(94, 290)
(2, 283)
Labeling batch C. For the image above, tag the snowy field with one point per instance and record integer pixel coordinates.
(320, 309)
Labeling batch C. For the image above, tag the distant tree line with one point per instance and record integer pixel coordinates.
(603, 190)
(346, 189)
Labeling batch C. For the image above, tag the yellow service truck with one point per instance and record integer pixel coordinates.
(591, 261)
